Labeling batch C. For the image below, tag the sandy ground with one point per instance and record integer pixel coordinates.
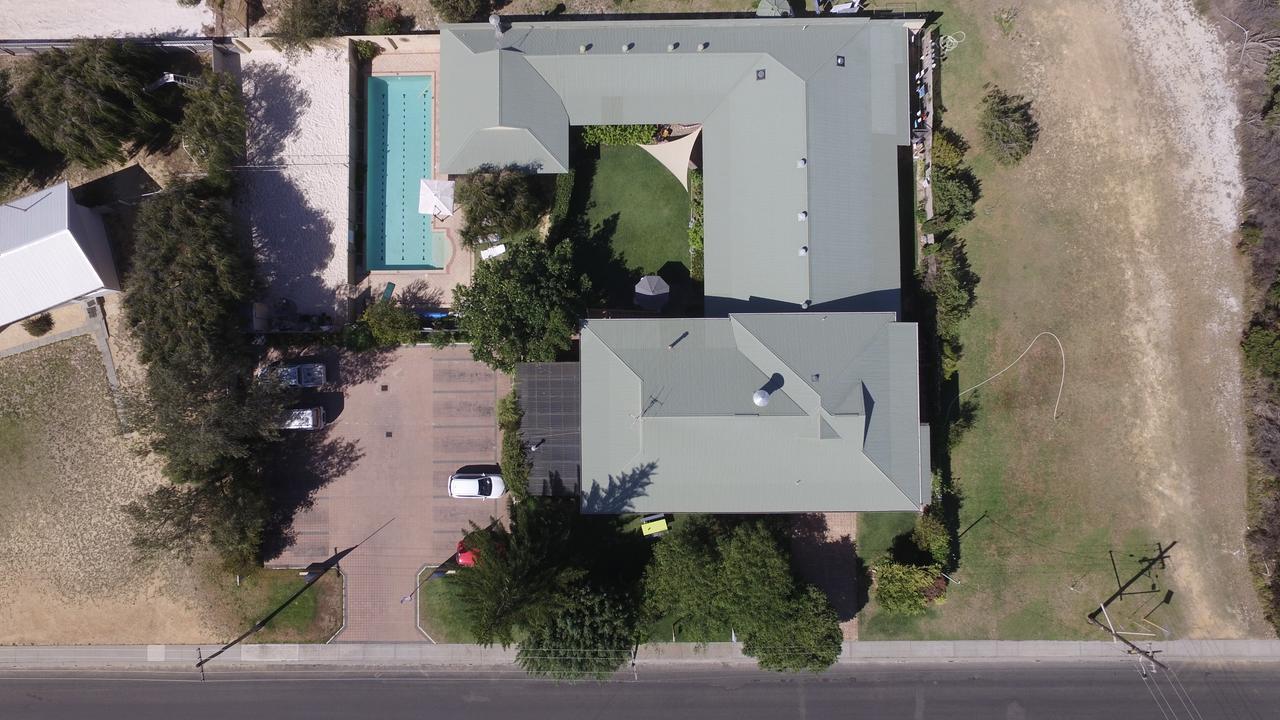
(70, 576)
(23, 20)
(1188, 314)
(296, 193)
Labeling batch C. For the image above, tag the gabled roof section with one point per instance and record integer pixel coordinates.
(800, 116)
(673, 397)
(34, 217)
(523, 123)
(51, 251)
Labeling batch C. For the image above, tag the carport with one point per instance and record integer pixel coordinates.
(551, 397)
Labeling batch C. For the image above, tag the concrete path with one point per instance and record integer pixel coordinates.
(355, 655)
(414, 422)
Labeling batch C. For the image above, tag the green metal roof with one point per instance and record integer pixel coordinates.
(669, 424)
(768, 92)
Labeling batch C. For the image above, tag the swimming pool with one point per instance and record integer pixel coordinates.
(397, 236)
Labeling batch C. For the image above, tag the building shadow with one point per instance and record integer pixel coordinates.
(618, 493)
(830, 564)
(304, 463)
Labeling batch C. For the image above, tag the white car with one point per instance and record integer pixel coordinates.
(303, 419)
(476, 486)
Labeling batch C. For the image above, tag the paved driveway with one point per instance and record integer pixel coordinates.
(412, 423)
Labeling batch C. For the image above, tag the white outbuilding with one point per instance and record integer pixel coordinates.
(52, 251)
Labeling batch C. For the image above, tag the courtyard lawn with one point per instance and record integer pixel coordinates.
(650, 207)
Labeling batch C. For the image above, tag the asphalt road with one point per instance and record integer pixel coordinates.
(970, 691)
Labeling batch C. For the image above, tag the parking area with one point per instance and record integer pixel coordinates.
(403, 423)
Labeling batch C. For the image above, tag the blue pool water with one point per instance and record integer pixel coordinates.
(397, 236)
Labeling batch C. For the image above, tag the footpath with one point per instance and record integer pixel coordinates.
(408, 655)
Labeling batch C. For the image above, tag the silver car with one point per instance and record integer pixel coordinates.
(306, 375)
(476, 486)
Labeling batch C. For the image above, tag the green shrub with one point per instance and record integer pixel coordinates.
(1262, 351)
(696, 230)
(504, 202)
(945, 274)
(903, 589)
(357, 337)
(954, 194)
(931, 536)
(594, 135)
(563, 199)
(87, 101)
(1273, 69)
(391, 323)
(367, 50)
(384, 18)
(457, 11)
(298, 22)
(514, 460)
(1008, 127)
(213, 125)
(38, 325)
(948, 149)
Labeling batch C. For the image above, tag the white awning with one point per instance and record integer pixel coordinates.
(435, 197)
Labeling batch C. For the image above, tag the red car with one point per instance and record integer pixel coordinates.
(466, 556)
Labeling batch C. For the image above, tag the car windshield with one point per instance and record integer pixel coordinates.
(486, 486)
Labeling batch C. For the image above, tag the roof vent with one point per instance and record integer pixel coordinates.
(703, 46)
(839, 61)
(496, 22)
(760, 74)
(802, 215)
(804, 250)
(802, 162)
(627, 47)
(584, 48)
(805, 306)
(760, 397)
(672, 47)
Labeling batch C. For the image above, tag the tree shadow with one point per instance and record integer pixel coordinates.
(831, 565)
(612, 281)
(364, 366)
(616, 496)
(274, 102)
(292, 240)
(419, 296)
(304, 463)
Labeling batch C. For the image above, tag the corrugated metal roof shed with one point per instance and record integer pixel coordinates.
(51, 251)
(673, 427)
(769, 92)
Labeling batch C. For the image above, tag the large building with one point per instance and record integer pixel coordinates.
(806, 138)
(52, 251)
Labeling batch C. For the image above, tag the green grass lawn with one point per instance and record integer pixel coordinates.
(650, 205)
(440, 613)
(314, 617)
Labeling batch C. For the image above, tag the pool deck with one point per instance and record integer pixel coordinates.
(420, 55)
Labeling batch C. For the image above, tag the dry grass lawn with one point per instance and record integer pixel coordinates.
(1116, 233)
(70, 575)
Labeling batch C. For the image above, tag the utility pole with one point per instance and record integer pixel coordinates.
(1161, 556)
(316, 573)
